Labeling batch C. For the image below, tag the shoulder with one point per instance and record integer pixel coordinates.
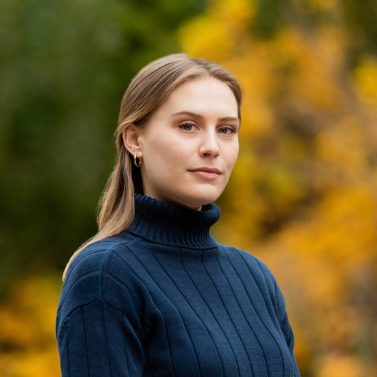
(92, 258)
(100, 272)
(259, 273)
(255, 265)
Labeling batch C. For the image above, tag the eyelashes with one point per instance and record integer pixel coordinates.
(181, 126)
(232, 129)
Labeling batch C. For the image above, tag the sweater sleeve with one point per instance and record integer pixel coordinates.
(286, 326)
(281, 313)
(99, 326)
(98, 340)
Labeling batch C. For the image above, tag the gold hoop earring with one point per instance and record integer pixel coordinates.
(136, 162)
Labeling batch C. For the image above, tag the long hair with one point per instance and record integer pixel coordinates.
(147, 90)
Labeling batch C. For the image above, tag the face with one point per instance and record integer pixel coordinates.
(196, 127)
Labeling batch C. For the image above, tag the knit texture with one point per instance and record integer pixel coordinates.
(164, 299)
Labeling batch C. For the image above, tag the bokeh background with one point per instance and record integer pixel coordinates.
(302, 196)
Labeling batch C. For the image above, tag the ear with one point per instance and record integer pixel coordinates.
(131, 140)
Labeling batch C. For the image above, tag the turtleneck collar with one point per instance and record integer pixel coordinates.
(169, 224)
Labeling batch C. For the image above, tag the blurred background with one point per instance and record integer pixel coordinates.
(302, 196)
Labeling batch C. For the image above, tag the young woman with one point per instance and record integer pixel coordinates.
(153, 293)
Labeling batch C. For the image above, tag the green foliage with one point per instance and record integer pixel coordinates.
(302, 195)
(64, 67)
(269, 17)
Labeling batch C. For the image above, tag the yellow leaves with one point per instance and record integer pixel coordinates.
(343, 147)
(236, 13)
(28, 329)
(284, 189)
(328, 245)
(308, 128)
(341, 228)
(324, 5)
(34, 363)
(331, 43)
(218, 28)
(351, 215)
(243, 199)
(335, 365)
(253, 71)
(314, 61)
(204, 31)
(366, 80)
(320, 260)
(33, 306)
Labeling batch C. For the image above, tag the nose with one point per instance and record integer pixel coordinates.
(209, 145)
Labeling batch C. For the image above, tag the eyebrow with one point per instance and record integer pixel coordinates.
(184, 112)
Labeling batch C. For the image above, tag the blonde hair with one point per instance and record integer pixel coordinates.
(147, 90)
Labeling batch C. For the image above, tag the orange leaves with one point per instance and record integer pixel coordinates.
(314, 60)
(340, 365)
(324, 5)
(303, 193)
(219, 28)
(342, 146)
(27, 336)
(366, 80)
(33, 363)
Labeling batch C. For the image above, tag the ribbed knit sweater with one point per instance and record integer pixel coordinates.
(164, 299)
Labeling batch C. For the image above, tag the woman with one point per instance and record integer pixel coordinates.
(153, 293)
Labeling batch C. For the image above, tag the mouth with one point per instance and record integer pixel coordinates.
(206, 173)
(207, 169)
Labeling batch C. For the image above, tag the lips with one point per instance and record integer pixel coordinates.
(206, 173)
(208, 170)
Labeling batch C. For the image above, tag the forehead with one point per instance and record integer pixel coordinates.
(205, 96)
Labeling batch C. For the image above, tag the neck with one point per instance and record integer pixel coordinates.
(168, 201)
(173, 225)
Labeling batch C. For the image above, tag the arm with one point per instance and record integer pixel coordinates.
(99, 326)
(98, 340)
(278, 302)
(285, 325)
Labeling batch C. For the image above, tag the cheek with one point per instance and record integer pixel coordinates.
(166, 154)
(231, 156)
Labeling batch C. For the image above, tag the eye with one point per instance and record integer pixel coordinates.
(232, 130)
(186, 126)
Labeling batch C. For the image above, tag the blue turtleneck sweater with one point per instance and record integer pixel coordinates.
(164, 299)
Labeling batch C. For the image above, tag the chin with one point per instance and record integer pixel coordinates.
(205, 196)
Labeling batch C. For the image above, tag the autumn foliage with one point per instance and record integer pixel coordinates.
(27, 336)
(302, 195)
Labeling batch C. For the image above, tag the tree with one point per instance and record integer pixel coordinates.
(302, 193)
(64, 67)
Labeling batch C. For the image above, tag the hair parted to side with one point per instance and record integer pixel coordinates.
(147, 90)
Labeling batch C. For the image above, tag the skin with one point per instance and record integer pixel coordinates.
(172, 144)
